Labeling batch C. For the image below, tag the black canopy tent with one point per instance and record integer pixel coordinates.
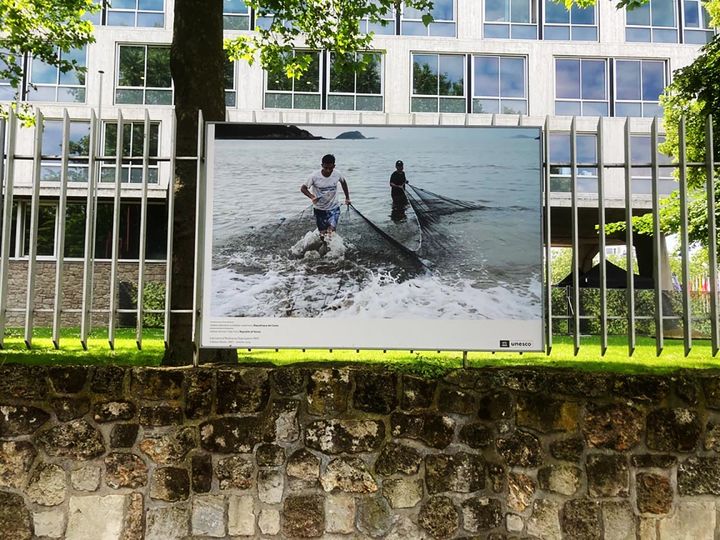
(616, 278)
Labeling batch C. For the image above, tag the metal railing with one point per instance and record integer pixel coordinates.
(31, 191)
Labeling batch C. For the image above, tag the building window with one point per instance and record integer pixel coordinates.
(696, 23)
(303, 93)
(230, 90)
(133, 147)
(585, 157)
(443, 13)
(654, 21)
(7, 63)
(139, 13)
(641, 172)
(576, 24)
(438, 83)
(349, 90)
(387, 27)
(638, 85)
(581, 87)
(511, 19)
(48, 83)
(143, 75)
(499, 85)
(78, 151)
(236, 15)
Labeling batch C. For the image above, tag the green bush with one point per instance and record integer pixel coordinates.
(153, 298)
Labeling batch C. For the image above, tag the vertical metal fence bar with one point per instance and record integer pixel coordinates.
(684, 242)
(575, 242)
(94, 168)
(170, 219)
(34, 218)
(116, 230)
(601, 237)
(712, 233)
(60, 236)
(2, 167)
(657, 260)
(9, 180)
(548, 239)
(199, 239)
(630, 291)
(143, 231)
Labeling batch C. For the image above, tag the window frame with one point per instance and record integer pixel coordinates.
(512, 27)
(30, 87)
(439, 97)
(643, 175)
(53, 161)
(237, 15)
(428, 30)
(586, 177)
(653, 30)
(570, 25)
(703, 28)
(474, 85)
(132, 161)
(642, 102)
(137, 14)
(582, 101)
(355, 94)
(144, 89)
(293, 93)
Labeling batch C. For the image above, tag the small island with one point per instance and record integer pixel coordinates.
(351, 135)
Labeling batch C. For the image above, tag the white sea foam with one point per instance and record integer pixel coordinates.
(314, 246)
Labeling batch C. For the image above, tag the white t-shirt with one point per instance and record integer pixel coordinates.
(325, 188)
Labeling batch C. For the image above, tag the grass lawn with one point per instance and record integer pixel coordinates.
(428, 363)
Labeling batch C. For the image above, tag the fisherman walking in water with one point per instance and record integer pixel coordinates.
(397, 192)
(321, 189)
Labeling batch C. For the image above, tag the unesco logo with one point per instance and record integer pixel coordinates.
(504, 344)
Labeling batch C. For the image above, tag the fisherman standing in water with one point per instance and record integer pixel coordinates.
(321, 189)
(397, 192)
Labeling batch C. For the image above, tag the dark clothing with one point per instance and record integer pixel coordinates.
(397, 187)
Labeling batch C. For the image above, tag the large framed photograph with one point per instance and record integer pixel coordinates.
(382, 237)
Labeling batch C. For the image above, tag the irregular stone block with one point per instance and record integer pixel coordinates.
(242, 391)
(607, 475)
(67, 379)
(465, 378)
(497, 476)
(270, 455)
(653, 461)
(75, 440)
(452, 400)
(375, 392)
(340, 513)
(547, 415)
(340, 436)
(461, 472)
(208, 516)
(514, 523)
(650, 388)
(696, 520)
(477, 435)
(47, 485)
(167, 523)
(199, 393)
(16, 458)
(521, 489)
(20, 420)
(403, 492)
(133, 521)
(236, 472)
(50, 524)
(15, 520)
(107, 380)
(67, 409)
(269, 521)
(581, 519)
(94, 517)
(270, 486)
(614, 426)
(233, 435)
(563, 479)
(569, 449)
(520, 449)
(23, 382)
(124, 435)
(439, 517)
(241, 515)
(288, 381)
(417, 393)
(328, 391)
(303, 516)
(348, 474)
(711, 389)
(159, 384)
(171, 447)
(112, 411)
(523, 380)
(495, 406)
(699, 476)
(619, 521)
(481, 514)
(654, 493)
(397, 458)
(580, 384)
(375, 518)
(304, 465)
(125, 471)
(283, 420)
(673, 430)
(434, 430)
(85, 478)
(544, 521)
(404, 528)
(170, 484)
(201, 473)
(161, 415)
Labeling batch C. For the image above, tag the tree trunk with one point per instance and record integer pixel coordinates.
(196, 63)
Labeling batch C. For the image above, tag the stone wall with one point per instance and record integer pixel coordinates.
(353, 452)
(72, 287)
